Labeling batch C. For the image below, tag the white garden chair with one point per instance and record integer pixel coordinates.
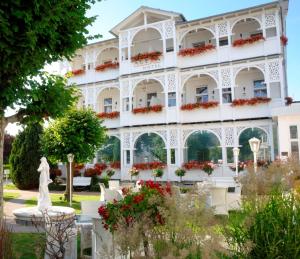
(108, 195)
(114, 185)
(219, 200)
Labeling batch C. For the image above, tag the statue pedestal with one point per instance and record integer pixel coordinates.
(52, 221)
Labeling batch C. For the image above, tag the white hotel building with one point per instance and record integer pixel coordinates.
(219, 75)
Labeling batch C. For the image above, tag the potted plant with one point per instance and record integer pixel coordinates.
(158, 172)
(208, 167)
(133, 172)
(180, 172)
(110, 172)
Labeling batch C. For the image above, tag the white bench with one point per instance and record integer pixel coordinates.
(81, 181)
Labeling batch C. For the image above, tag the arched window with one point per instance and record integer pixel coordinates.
(246, 28)
(110, 151)
(245, 150)
(150, 147)
(203, 146)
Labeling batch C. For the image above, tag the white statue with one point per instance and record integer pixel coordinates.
(44, 201)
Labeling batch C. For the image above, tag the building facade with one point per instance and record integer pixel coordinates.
(176, 91)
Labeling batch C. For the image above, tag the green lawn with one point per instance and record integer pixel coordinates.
(10, 195)
(58, 200)
(10, 186)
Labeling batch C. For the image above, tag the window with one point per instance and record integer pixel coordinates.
(295, 149)
(198, 44)
(260, 88)
(173, 156)
(293, 132)
(149, 97)
(171, 99)
(127, 155)
(226, 95)
(107, 104)
(202, 94)
(126, 104)
(271, 32)
(223, 41)
(169, 45)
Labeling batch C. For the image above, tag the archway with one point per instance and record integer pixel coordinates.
(200, 89)
(148, 93)
(203, 146)
(78, 62)
(108, 100)
(246, 28)
(249, 83)
(150, 147)
(197, 38)
(110, 151)
(245, 150)
(147, 40)
(109, 55)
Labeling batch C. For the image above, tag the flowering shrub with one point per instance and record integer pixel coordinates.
(149, 165)
(241, 167)
(115, 164)
(100, 166)
(108, 115)
(55, 172)
(284, 40)
(89, 172)
(180, 172)
(110, 172)
(250, 40)
(135, 205)
(152, 56)
(288, 100)
(154, 108)
(208, 167)
(158, 172)
(76, 173)
(196, 51)
(110, 65)
(134, 171)
(252, 101)
(192, 106)
(79, 166)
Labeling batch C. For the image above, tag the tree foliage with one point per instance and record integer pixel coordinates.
(79, 132)
(25, 157)
(111, 150)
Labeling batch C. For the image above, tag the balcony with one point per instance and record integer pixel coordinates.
(107, 107)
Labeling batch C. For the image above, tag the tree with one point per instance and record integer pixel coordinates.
(8, 141)
(79, 132)
(25, 157)
(34, 33)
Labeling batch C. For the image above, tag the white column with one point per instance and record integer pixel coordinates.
(168, 154)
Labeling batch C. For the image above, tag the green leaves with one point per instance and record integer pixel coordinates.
(78, 132)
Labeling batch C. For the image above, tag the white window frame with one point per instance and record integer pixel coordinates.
(106, 106)
(199, 96)
(263, 87)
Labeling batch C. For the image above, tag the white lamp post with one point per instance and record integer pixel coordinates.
(70, 160)
(254, 145)
(236, 152)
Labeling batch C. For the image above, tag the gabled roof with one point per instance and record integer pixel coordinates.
(145, 9)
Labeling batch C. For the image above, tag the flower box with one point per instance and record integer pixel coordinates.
(151, 56)
(154, 108)
(149, 165)
(207, 166)
(192, 106)
(108, 115)
(115, 165)
(196, 51)
(110, 65)
(250, 40)
(251, 102)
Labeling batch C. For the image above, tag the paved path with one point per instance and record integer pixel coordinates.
(11, 205)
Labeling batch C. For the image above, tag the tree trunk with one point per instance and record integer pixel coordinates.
(2, 132)
(68, 186)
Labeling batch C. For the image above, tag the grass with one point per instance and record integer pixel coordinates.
(58, 200)
(10, 195)
(10, 186)
(24, 245)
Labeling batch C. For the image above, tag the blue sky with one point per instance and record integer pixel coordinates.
(111, 12)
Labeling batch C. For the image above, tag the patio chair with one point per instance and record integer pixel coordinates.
(219, 200)
(108, 195)
(114, 185)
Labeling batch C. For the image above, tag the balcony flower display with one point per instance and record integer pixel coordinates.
(75, 72)
(284, 40)
(108, 115)
(100, 166)
(250, 40)
(208, 167)
(251, 102)
(154, 108)
(149, 165)
(134, 172)
(192, 106)
(109, 65)
(115, 164)
(288, 101)
(89, 172)
(151, 56)
(196, 51)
